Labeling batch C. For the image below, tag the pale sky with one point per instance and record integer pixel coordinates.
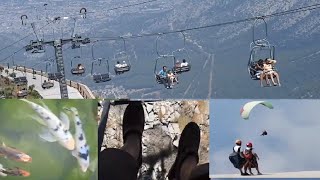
(291, 144)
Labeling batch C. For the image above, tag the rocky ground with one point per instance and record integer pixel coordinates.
(165, 121)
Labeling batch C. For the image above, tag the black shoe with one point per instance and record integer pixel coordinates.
(188, 146)
(133, 122)
(245, 174)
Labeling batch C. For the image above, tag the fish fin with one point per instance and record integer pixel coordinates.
(74, 153)
(36, 118)
(2, 174)
(44, 105)
(65, 120)
(47, 136)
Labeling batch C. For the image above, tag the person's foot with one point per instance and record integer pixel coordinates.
(279, 84)
(133, 126)
(188, 147)
(275, 84)
(245, 174)
(259, 173)
(251, 173)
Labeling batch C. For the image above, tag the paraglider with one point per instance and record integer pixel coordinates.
(246, 109)
(264, 133)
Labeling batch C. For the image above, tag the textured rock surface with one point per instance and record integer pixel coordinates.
(165, 121)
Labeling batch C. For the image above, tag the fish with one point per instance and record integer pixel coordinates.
(16, 172)
(81, 151)
(14, 154)
(57, 129)
(2, 170)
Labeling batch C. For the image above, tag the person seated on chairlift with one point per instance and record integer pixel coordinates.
(172, 77)
(80, 67)
(118, 65)
(269, 72)
(124, 64)
(184, 63)
(258, 68)
(164, 77)
(259, 72)
(163, 72)
(177, 64)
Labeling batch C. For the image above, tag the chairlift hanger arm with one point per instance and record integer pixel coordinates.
(254, 27)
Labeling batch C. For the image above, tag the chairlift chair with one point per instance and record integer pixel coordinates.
(100, 77)
(122, 56)
(53, 76)
(77, 71)
(259, 45)
(179, 69)
(156, 69)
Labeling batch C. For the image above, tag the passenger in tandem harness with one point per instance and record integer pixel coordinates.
(251, 158)
(237, 158)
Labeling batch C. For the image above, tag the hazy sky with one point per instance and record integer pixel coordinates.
(291, 145)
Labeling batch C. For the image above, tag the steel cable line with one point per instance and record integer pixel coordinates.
(25, 36)
(301, 9)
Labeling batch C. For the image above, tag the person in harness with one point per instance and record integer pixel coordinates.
(251, 159)
(237, 158)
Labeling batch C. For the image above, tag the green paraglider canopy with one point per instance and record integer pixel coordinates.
(246, 109)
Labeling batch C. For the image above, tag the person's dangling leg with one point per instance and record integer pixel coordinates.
(200, 172)
(187, 157)
(114, 162)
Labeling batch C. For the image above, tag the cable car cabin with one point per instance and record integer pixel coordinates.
(98, 78)
(47, 85)
(54, 76)
(122, 69)
(77, 71)
(181, 69)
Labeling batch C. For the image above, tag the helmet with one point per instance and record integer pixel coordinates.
(249, 144)
(238, 141)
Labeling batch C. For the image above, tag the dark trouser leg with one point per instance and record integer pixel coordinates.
(164, 82)
(187, 166)
(132, 145)
(114, 162)
(200, 172)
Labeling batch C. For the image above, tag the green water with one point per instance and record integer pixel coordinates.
(50, 161)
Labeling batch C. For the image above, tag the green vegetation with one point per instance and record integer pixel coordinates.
(50, 160)
(7, 88)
